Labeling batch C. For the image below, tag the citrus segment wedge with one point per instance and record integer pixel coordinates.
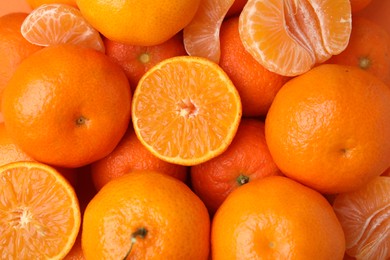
(39, 212)
(289, 37)
(201, 36)
(186, 110)
(365, 217)
(52, 24)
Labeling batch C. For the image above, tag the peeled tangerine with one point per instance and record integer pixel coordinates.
(365, 217)
(289, 37)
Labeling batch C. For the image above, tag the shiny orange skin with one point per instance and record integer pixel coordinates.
(67, 106)
(11, 152)
(174, 220)
(257, 85)
(145, 23)
(246, 159)
(136, 60)
(368, 49)
(359, 5)
(13, 47)
(130, 155)
(276, 218)
(329, 128)
(386, 173)
(35, 3)
(378, 12)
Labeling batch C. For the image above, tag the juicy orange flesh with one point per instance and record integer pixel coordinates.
(197, 110)
(35, 214)
(201, 36)
(289, 37)
(365, 217)
(57, 24)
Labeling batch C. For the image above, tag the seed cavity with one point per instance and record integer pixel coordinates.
(187, 108)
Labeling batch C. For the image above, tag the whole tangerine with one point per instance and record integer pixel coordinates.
(67, 105)
(146, 215)
(330, 128)
(276, 218)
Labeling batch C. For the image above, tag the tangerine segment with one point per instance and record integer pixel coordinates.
(201, 36)
(52, 24)
(186, 110)
(39, 212)
(289, 37)
(365, 217)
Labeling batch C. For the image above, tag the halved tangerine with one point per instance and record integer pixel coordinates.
(52, 24)
(39, 212)
(186, 110)
(289, 37)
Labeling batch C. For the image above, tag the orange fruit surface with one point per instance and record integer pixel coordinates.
(386, 173)
(290, 37)
(186, 110)
(130, 155)
(13, 47)
(136, 60)
(36, 3)
(201, 35)
(147, 22)
(10, 152)
(144, 215)
(276, 218)
(39, 212)
(256, 85)
(358, 5)
(246, 159)
(329, 128)
(236, 8)
(365, 217)
(54, 24)
(73, 102)
(368, 49)
(378, 12)
(7, 7)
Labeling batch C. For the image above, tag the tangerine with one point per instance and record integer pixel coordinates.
(136, 60)
(13, 47)
(364, 215)
(186, 110)
(329, 128)
(276, 218)
(39, 212)
(130, 155)
(146, 23)
(201, 35)
(246, 159)
(144, 215)
(368, 49)
(53, 24)
(67, 105)
(290, 37)
(256, 85)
